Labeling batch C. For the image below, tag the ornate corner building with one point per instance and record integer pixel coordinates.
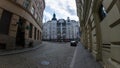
(20, 22)
(61, 30)
(100, 29)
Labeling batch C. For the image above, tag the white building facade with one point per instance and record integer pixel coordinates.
(53, 30)
(61, 30)
(46, 30)
(72, 29)
(50, 29)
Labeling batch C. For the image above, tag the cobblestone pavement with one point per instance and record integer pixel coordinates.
(49, 55)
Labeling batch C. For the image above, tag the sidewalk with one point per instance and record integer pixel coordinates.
(83, 59)
(15, 51)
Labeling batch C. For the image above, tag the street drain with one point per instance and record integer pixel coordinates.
(45, 63)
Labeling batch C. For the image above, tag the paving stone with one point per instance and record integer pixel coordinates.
(83, 59)
(56, 53)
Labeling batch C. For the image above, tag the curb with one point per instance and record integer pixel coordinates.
(18, 51)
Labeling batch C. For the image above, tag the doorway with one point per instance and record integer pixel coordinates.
(20, 37)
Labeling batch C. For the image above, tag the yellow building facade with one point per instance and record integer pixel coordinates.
(20, 22)
(100, 29)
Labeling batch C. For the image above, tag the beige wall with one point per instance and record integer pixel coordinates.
(109, 35)
(13, 26)
(17, 9)
(104, 34)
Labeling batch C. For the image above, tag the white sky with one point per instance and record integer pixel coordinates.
(62, 9)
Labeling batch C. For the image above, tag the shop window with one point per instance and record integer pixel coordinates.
(5, 22)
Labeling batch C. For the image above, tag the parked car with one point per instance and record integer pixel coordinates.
(73, 43)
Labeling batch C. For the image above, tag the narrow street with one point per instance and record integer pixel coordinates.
(49, 55)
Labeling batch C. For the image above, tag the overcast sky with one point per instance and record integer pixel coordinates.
(62, 9)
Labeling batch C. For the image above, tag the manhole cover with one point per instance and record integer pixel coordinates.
(45, 63)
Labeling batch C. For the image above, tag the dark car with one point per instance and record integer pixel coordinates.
(73, 43)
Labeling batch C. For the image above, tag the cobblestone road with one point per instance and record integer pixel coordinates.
(49, 55)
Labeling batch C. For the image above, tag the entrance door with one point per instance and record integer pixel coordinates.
(20, 37)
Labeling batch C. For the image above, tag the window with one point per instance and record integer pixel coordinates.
(64, 24)
(36, 16)
(26, 4)
(38, 19)
(35, 33)
(38, 35)
(102, 12)
(32, 10)
(5, 22)
(30, 30)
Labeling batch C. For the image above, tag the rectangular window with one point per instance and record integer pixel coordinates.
(32, 10)
(5, 22)
(38, 35)
(35, 33)
(26, 3)
(30, 30)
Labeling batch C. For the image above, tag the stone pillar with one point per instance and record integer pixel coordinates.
(40, 36)
(33, 32)
(13, 26)
(26, 33)
(11, 43)
(27, 30)
(98, 37)
(90, 32)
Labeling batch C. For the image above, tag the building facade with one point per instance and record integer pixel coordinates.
(46, 30)
(61, 30)
(20, 22)
(99, 26)
(72, 29)
(50, 29)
